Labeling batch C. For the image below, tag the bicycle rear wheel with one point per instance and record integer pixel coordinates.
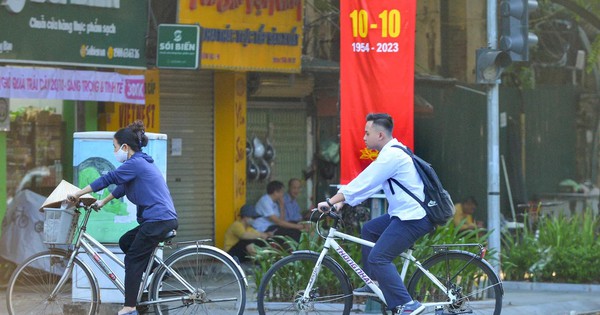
(471, 279)
(283, 285)
(30, 287)
(219, 287)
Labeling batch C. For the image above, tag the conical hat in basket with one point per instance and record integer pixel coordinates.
(60, 194)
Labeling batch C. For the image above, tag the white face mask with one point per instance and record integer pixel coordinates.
(121, 155)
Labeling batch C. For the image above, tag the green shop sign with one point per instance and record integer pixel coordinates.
(178, 46)
(99, 33)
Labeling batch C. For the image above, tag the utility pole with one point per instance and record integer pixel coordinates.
(493, 150)
(490, 62)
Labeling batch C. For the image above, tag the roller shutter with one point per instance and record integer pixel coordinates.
(187, 113)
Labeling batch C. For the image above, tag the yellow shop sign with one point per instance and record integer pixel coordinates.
(119, 115)
(247, 35)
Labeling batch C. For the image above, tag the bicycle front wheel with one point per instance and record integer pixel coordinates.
(282, 288)
(218, 286)
(30, 288)
(470, 279)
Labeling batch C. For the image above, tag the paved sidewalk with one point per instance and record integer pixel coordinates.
(549, 299)
(519, 299)
(530, 299)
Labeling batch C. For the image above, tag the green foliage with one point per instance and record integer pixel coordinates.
(594, 56)
(563, 249)
(522, 76)
(521, 252)
(278, 247)
(573, 264)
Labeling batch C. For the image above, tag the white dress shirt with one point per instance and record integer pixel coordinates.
(265, 207)
(390, 163)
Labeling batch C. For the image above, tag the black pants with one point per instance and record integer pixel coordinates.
(239, 249)
(138, 244)
(277, 230)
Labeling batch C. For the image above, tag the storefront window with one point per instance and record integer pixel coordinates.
(34, 146)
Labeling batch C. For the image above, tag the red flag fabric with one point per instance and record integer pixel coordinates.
(377, 74)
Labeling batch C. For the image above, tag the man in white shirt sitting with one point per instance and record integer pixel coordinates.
(270, 208)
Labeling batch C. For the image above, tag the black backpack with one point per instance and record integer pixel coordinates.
(438, 205)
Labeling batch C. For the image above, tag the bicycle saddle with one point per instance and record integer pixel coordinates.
(170, 235)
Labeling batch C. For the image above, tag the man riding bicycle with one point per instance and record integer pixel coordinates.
(394, 232)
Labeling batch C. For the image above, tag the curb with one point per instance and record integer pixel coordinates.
(547, 286)
(555, 287)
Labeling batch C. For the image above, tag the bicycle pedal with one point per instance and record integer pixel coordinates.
(142, 309)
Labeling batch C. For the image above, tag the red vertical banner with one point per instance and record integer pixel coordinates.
(377, 74)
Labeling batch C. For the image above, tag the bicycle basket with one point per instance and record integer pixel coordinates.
(60, 225)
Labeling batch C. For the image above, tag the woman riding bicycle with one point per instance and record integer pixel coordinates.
(141, 181)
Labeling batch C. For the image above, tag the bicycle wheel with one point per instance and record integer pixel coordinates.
(471, 279)
(283, 285)
(30, 287)
(219, 286)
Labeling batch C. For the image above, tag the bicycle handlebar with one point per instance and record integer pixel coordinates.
(327, 213)
(334, 215)
(94, 206)
(330, 212)
(84, 206)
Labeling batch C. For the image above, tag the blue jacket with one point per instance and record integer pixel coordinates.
(140, 180)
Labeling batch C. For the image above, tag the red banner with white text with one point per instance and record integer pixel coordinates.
(377, 74)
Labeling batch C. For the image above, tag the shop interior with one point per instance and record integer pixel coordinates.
(34, 146)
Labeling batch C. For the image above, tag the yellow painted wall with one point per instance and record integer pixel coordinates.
(476, 31)
(428, 39)
(466, 31)
(230, 149)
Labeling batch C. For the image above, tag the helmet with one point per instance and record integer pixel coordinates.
(249, 148)
(269, 152)
(248, 210)
(251, 169)
(259, 148)
(264, 170)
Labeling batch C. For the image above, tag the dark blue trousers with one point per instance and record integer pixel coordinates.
(138, 244)
(391, 236)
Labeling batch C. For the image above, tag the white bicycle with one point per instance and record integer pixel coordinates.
(451, 281)
(195, 279)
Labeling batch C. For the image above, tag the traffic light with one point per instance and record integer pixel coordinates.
(489, 65)
(515, 37)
